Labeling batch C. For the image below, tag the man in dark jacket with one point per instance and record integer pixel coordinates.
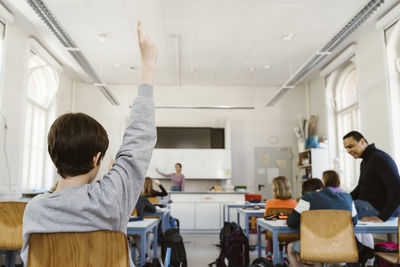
(376, 196)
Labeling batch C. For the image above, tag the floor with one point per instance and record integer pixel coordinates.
(201, 250)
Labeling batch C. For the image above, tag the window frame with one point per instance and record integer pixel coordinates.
(29, 179)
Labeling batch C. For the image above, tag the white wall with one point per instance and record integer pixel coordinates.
(373, 92)
(12, 97)
(250, 128)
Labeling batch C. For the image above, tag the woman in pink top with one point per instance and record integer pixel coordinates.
(177, 178)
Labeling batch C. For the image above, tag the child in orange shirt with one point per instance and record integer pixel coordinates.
(282, 193)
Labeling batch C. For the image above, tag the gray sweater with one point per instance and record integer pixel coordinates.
(108, 203)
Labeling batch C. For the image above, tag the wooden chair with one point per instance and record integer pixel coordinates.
(99, 248)
(153, 200)
(393, 257)
(327, 236)
(11, 214)
(281, 237)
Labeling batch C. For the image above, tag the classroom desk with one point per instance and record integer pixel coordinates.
(140, 228)
(280, 227)
(163, 214)
(228, 206)
(247, 214)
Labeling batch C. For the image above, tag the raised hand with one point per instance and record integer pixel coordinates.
(148, 52)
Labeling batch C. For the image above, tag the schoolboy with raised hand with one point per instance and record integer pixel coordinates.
(77, 144)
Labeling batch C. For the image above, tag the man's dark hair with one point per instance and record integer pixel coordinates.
(73, 140)
(180, 165)
(311, 185)
(356, 136)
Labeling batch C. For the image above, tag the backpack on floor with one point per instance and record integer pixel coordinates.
(262, 262)
(173, 223)
(234, 247)
(389, 247)
(172, 239)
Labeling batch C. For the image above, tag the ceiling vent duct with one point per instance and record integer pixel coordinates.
(327, 49)
(55, 27)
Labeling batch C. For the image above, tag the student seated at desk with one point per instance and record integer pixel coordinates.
(282, 199)
(148, 190)
(77, 144)
(330, 197)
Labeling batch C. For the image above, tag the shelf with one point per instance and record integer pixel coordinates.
(304, 166)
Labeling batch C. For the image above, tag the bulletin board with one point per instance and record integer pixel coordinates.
(269, 163)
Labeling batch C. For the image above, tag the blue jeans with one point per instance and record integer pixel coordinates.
(176, 188)
(365, 209)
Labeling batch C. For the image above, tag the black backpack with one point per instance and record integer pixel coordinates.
(262, 262)
(172, 239)
(234, 247)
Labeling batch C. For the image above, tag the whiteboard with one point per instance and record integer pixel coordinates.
(196, 163)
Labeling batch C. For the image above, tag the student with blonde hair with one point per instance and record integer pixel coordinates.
(282, 193)
(148, 190)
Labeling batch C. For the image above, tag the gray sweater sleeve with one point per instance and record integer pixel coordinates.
(125, 179)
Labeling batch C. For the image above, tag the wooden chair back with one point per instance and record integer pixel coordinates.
(327, 236)
(153, 200)
(99, 248)
(281, 237)
(11, 214)
(393, 257)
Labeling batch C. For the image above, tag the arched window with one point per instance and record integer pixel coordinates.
(40, 111)
(392, 38)
(343, 117)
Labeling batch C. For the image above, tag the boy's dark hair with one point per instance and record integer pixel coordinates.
(73, 140)
(331, 178)
(311, 185)
(180, 165)
(356, 136)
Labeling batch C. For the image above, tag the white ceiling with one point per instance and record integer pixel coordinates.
(221, 39)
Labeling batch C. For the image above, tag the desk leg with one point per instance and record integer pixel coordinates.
(259, 245)
(155, 241)
(275, 246)
(167, 221)
(142, 249)
(223, 213)
(10, 258)
(238, 217)
(246, 221)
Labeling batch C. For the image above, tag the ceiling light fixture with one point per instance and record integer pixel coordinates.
(59, 32)
(266, 67)
(102, 37)
(117, 65)
(312, 63)
(288, 37)
(99, 84)
(72, 49)
(251, 69)
(192, 69)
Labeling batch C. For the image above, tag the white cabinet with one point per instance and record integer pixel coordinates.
(311, 163)
(208, 216)
(201, 211)
(185, 213)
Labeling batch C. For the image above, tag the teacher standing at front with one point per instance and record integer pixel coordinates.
(177, 178)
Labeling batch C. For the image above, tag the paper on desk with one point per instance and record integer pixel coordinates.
(272, 173)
